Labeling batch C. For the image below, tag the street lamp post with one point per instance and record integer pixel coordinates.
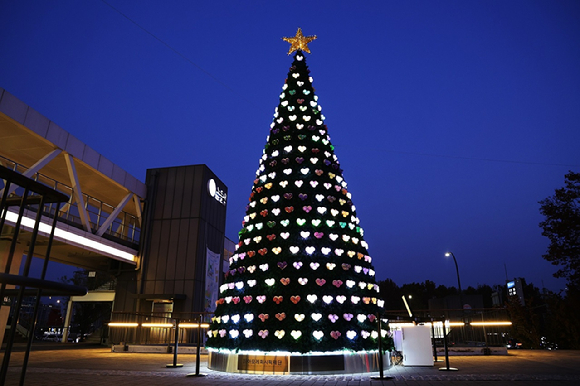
(456, 270)
(445, 333)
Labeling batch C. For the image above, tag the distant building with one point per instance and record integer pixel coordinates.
(515, 288)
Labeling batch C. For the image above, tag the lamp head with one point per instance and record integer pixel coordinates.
(447, 254)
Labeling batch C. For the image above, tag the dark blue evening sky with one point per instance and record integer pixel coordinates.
(451, 119)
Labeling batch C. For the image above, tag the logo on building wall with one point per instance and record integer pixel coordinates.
(217, 193)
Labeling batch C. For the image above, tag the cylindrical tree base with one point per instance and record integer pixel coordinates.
(287, 363)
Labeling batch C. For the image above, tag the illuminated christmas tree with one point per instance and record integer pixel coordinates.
(301, 279)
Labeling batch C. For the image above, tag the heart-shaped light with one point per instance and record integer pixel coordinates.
(251, 283)
(365, 334)
(248, 333)
(348, 317)
(276, 211)
(295, 75)
(310, 250)
(361, 318)
(335, 334)
(321, 210)
(327, 185)
(350, 283)
(270, 282)
(333, 236)
(307, 208)
(333, 318)
(330, 266)
(285, 235)
(285, 222)
(338, 252)
(234, 333)
(277, 250)
(302, 281)
(279, 334)
(263, 334)
(325, 251)
(299, 317)
(296, 334)
(312, 298)
(288, 149)
(287, 171)
(317, 334)
(316, 222)
(261, 298)
(334, 212)
(295, 299)
(341, 299)
(294, 249)
(283, 183)
(249, 317)
(264, 267)
(314, 265)
(314, 183)
(298, 183)
(327, 299)
(299, 126)
(355, 299)
(252, 268)
(316, 316)
(330, 223)
(304, 234)
(297, 264)
(293, 117)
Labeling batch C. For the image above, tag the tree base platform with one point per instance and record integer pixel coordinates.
(294, 363)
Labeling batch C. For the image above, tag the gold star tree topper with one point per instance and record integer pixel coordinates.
(299, 42)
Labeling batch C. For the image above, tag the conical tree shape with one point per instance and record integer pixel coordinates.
(301, 279)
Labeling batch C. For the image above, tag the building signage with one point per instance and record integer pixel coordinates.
(263, 363)
(216, 192)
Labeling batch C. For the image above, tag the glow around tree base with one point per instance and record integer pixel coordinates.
(288, 353)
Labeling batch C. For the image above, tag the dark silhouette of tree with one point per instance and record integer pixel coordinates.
(562, 227)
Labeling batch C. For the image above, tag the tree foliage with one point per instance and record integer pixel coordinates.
(562, 227)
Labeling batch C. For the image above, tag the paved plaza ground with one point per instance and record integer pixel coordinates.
(69, 364)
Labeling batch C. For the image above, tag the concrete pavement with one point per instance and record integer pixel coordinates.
(71, 364)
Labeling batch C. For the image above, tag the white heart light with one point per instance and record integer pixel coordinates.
(312, 298)
(316, 316)
(318, 334)
(299, 317)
